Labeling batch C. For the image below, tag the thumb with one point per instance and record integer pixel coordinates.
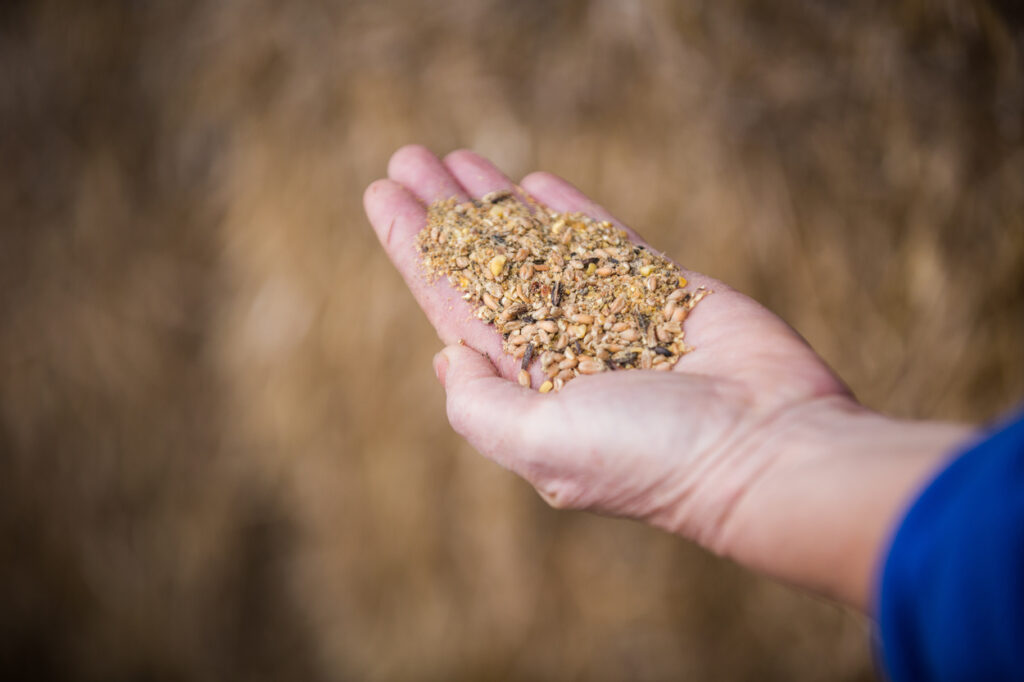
(492, 413)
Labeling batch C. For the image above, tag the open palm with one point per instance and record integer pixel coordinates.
(678, 449)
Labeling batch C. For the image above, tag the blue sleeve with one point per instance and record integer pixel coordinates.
(952, 586)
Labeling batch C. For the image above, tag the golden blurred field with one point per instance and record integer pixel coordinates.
(223, 453)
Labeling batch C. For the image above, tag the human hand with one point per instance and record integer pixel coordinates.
(697, 451)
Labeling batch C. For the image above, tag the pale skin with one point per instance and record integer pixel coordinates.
(751, 447)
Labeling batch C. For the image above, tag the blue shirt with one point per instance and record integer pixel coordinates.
(951, 603)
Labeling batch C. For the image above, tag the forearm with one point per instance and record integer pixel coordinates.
(842, 477)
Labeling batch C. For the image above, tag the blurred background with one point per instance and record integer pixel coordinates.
(223, 453)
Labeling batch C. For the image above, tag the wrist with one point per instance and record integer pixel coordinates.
(839, 481)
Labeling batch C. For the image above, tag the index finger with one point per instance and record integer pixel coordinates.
(561, 195)
(396, 210)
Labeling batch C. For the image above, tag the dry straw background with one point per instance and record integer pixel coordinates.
(222, 450)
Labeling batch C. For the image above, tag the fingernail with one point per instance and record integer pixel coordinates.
(440, 367)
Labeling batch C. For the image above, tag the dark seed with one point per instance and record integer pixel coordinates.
(613, 261)
(499, 239)
(514, 311)
(661, 350)
(556, 294)
(588, 261)
(538, 261)
(528, 319)
(527, 357)
(642, 320)
(627, 359)
(501, 198)
(576, 347)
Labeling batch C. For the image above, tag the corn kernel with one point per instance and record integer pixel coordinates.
(497, 264)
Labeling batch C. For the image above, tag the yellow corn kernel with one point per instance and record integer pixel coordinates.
(497, 264)
(546, 386)
(682, 282)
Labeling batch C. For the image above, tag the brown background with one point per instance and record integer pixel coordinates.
(222, 450)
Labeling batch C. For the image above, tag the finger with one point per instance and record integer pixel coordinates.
(416, 167)
(562, 195)
(476, 174)
(397, 215)
(492, 413)
(553, 441)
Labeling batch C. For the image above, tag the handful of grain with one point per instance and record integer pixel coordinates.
(572, 291)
